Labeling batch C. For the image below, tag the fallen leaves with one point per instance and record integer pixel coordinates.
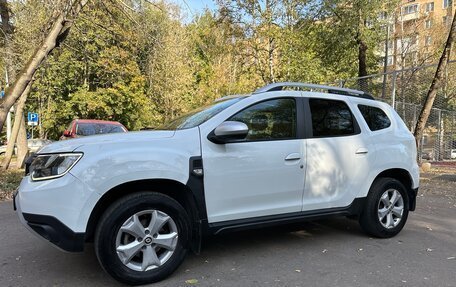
(191, 281)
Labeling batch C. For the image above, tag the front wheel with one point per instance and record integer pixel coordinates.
(142, 238)
(386, 209)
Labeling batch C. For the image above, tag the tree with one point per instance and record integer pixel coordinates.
(435, 85)
(60, 24)
(97, 73)
(18, 121)
(18, 139)
(350, 33)
(259, 21)
(167, 61)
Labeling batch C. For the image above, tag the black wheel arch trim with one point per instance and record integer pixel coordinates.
(403, 176)
(195, 184)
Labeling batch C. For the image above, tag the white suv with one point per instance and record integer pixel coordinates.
(279, 155)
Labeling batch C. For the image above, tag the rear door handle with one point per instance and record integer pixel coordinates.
(362, 150)
(293, 156)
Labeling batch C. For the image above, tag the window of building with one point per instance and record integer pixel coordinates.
(445, 20)
(428, 41)
(331, 118)
(390, 61)
(390, 45)
(407, 44)
(383, 15)
(410, 9)
(446, 3)
(392, 28)
(269, 120)
(429, 7)
(375, 118)
(428, 23)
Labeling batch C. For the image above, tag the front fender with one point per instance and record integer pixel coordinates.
(104, 166)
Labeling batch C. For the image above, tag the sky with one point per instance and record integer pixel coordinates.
(191, 7)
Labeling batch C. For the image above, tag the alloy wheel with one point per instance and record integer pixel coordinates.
(146, 240)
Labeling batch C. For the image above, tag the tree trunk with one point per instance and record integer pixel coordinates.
(362, 65)
(7, 32)
(22, 147)
(271, 48)
(18, 119)
(61, 24)
(432, 92)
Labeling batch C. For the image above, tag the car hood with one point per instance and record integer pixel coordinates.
(72, 144)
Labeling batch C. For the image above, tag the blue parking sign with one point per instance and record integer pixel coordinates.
(32, 118)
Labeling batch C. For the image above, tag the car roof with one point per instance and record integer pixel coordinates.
(97, 122)
(309, 89)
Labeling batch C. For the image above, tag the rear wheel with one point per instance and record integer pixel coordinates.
(386, 209)
(142, 238)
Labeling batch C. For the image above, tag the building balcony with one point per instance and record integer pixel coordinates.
(409, 17)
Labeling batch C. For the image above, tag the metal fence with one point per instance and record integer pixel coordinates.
(406, 90)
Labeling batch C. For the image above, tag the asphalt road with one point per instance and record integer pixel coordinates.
(325, 253)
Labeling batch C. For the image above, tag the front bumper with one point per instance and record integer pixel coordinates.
(51, 229)
(56, 210)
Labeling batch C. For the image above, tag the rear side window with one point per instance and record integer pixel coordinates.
(375, 118)
(331, 118)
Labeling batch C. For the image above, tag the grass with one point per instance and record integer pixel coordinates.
(9, 181)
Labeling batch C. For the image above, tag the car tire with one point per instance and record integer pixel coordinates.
(126, 251)
(386, 209)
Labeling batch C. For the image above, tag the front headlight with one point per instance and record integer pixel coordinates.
(48, 166)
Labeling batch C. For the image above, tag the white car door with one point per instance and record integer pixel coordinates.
(338, 154)
(262, 174)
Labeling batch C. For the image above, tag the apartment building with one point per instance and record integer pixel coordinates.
(416, 31)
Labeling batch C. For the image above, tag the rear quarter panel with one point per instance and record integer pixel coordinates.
(394, 147)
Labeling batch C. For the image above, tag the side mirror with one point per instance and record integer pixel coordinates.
(228, 131)
(67, 133)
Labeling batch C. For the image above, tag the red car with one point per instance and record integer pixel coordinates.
(82, 128)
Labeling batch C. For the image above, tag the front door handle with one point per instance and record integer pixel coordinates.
(293, 156)
(362, 150)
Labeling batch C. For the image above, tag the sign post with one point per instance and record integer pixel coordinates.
(32, 120)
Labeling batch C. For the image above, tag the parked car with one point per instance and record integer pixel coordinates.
(272, 157)
(82, 128)
(427, 154)
(33, 145)
(453, 154)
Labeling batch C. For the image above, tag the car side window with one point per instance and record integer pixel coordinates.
(375, 118)
(269, 120)
(85, 129)
(331, 118)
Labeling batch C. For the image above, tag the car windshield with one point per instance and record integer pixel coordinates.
(198, 116)
(88, 129)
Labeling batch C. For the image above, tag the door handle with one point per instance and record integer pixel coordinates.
(293, 156)
(362, 150)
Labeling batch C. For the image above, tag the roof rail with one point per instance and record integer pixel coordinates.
(330, 89)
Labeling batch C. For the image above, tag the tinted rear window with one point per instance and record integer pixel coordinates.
(375, 118)
(331, 118)
(89, 129)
